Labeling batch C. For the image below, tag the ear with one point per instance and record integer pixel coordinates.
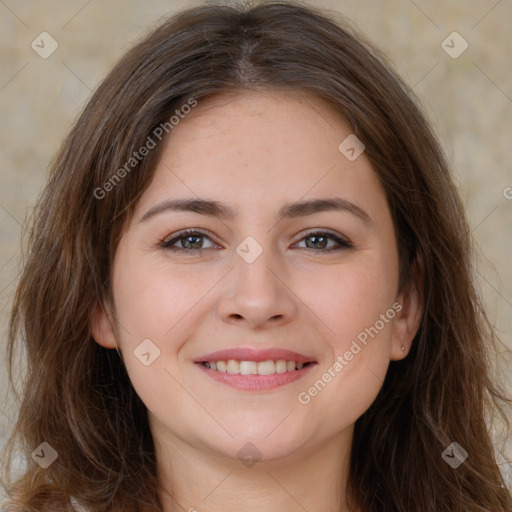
(408, 318)
(101, 327)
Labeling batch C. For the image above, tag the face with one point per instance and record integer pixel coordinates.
(295, 275)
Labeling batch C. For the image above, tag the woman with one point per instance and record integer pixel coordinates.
(255, 214)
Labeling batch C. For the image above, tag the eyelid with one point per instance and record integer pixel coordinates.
(342, 241)
(166, 242)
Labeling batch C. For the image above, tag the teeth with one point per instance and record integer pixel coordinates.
(248, 367)
(266, 368)
(254, 368)
(280, 366)
(233, 366)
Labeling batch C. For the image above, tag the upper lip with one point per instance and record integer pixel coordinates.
(253, 354)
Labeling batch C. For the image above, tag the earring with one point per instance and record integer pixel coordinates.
(403, 348)
(119, 353)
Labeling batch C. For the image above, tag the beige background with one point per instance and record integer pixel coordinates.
(469, 100)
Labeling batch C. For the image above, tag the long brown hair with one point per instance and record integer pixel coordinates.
(77, 396)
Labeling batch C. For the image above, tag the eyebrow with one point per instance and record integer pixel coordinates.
(289, 210)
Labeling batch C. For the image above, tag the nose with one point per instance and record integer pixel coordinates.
(256, 294)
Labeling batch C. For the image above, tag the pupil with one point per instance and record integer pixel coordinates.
(316, 238)
(187, 244)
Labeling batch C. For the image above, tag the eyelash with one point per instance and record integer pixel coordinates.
(167, 244)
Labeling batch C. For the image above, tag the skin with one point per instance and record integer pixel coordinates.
(255, 152)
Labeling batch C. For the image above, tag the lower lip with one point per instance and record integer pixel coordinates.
(256, 382)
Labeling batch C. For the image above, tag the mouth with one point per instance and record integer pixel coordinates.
(255, 370)
(269, 367)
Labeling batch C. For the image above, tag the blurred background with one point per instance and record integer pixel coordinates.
(456, 55)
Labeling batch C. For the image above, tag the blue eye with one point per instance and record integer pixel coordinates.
(320, 240)
(190, 242)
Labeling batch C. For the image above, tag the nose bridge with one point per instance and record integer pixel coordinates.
(256, 266)
(257, 292)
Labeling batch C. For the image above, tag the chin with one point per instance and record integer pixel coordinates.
(263, 444)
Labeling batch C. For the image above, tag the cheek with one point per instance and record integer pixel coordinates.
(352, 298)
(355, 305)
(151, 306)
(152, 301)
(162, 303)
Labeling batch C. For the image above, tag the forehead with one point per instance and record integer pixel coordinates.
(259, 149)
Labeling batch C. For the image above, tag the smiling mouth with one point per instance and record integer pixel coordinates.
(269, 367)
(255, 375)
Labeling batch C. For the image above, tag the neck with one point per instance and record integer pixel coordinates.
(195, 479)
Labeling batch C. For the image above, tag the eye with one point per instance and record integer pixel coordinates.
(189, 241)
(320, 240)
(192, 241)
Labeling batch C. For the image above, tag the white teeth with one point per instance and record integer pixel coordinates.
(233, 366)
(248, 368)
(280, 366)
(268, 367)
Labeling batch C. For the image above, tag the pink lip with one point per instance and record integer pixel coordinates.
(256, 382)
(258, 355)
